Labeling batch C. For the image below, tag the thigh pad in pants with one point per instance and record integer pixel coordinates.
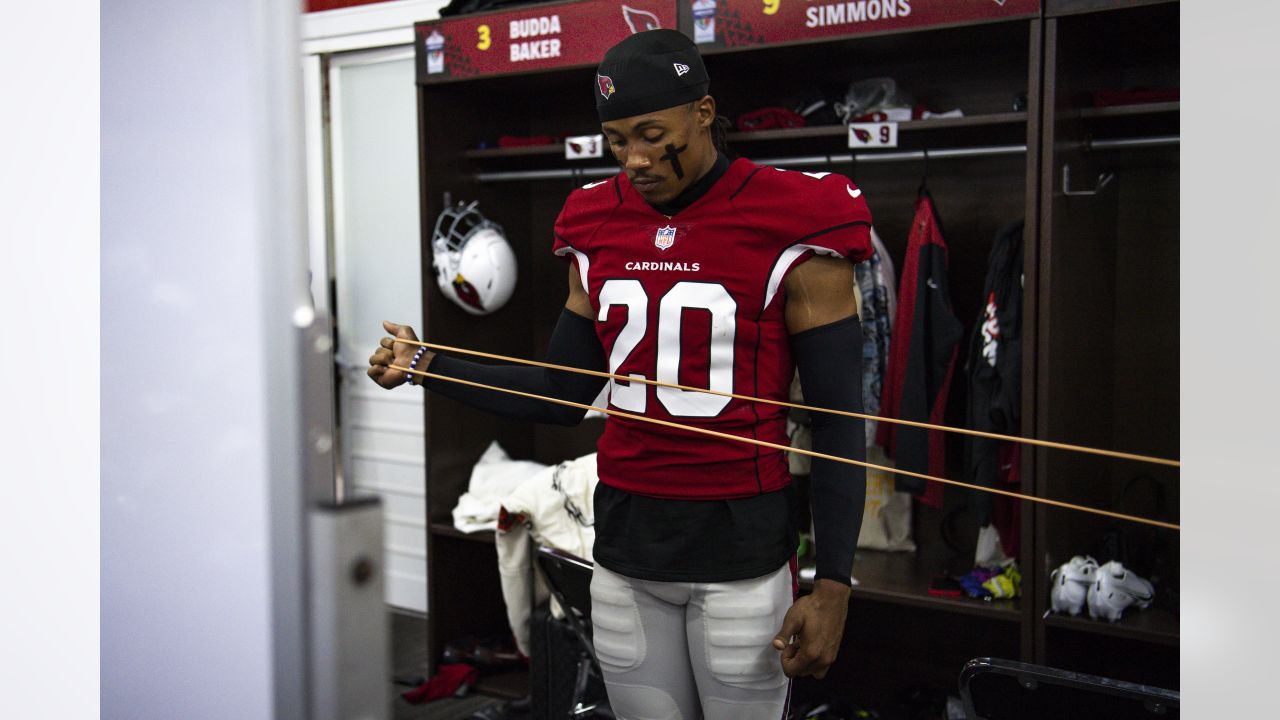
(739, 622)
(615, 623)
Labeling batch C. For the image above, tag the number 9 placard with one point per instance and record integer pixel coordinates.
(771, 6)
(873, 135)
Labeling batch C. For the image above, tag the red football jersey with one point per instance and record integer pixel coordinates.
(697, 299)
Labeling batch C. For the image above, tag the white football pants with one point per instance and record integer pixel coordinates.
(681, 651)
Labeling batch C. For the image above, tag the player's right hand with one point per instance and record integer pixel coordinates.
(809, 639)
(391, 353)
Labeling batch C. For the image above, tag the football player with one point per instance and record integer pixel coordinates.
(688, 268)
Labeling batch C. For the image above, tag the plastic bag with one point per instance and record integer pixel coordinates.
(872, 95)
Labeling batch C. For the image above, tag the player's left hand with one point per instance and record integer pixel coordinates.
(812, 629)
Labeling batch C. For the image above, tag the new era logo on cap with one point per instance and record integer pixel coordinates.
(681, 68)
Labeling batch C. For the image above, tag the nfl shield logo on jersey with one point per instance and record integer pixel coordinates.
(665, 238)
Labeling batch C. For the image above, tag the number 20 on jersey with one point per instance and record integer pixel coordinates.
(712, 297)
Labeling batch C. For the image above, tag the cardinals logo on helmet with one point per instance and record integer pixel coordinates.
(606, 85)
(467, 293)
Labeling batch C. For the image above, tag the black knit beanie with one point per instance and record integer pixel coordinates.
(648, 71)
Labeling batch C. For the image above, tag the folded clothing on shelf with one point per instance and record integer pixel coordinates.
(973, 582)
(1007, 585)
(993, 583)
(507, 141)
(494, 476)
(769, 118)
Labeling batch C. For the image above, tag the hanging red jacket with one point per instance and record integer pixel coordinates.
(922, 358)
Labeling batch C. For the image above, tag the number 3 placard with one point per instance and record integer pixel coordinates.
(873, 135)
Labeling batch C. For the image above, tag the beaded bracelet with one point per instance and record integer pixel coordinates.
(413, 364)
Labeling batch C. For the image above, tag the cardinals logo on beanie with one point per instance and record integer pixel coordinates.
(649, 71)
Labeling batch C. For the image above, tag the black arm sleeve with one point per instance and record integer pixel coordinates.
(573, 343)
(829, 359)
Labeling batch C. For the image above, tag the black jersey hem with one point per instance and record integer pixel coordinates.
(749, 572)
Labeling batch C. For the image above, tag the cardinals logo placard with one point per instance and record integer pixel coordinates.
(640, 20)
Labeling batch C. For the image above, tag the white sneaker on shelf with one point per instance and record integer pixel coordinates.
(1116, 589)
(1069, 584)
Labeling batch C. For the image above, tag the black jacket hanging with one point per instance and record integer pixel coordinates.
(994, 364)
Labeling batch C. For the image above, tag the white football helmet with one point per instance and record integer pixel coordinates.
(1116, 589)
(1070, 583)
(474, 264)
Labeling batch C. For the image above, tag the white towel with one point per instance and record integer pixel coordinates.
(494, 476)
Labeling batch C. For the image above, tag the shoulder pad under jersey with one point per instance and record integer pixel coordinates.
(822, 209)
(587, 207)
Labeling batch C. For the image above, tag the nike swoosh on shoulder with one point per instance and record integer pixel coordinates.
(853, 193)
(588, 186)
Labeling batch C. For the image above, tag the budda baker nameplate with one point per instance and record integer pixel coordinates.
(532, 38)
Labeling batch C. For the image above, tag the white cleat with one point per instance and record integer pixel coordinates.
(1116, 589)
(1070, 584)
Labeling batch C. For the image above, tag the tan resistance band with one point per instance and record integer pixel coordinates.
(748, 398)
(784, 448)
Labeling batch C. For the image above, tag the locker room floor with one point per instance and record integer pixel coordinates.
(409, 657)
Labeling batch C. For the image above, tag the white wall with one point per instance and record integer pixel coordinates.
(203, 263)
(49, 448)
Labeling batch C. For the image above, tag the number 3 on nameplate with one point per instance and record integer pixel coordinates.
(711, 297)
(485, 39)
(771, 6)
